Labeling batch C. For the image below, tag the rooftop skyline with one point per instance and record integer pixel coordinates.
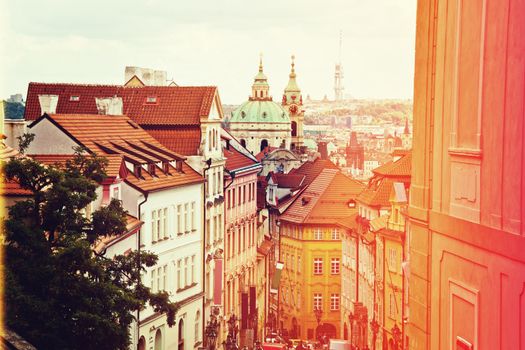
(213, 43)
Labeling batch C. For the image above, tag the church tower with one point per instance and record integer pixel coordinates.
(293, 102)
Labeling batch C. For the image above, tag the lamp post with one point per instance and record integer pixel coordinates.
(211, 332)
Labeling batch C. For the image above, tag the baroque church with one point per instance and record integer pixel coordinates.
(260, 124)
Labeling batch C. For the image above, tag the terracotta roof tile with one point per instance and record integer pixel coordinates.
(185, 141)
(117, 135)
(264, 152)
(312, 169)
(325, 200)
(292, 181)
(12, 188)
(380, 186)
(401, 167)
(236, 160)
(112, 169)
(175, 105)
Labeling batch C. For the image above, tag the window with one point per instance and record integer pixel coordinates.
(193, 269)
(233, 198)
(179, 280)
(186, 221)
(151, 99)
(219, 226)
(318, 266)
(299, 267)
(164, 223)
(153, 285)
(193, 221)
(335, 234)
(207, 233)
(244, 194)
(154, 226)
(229, 199)
(197, 326)
(334, 302)
(74, 98)
(292, 263)
(186, 271)
(318, 234)
(392, 306)
(392, 260)
(334, 266)
(179, 219)
(318, 301)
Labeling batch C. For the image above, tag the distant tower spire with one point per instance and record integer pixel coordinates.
(407, 130)
(260, 63)
(338, 78)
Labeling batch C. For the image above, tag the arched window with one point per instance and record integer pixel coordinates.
(209, 140)
(142, 343)
(197, 326)
(181, 335)
(243, 142)
(264, 144)
(294, 128)
(158, 340)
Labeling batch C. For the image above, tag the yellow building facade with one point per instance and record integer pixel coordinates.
(311, 250)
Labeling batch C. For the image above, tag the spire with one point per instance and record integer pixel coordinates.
(407, 130)
(260, 88)
(292, 92)
(292, 73)
(260, 63)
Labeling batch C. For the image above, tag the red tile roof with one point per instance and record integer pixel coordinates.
(183, 140)
(118, 135)
(175, 105)
(236, 160)
(312, 169)
(292, 181)
(12, 188)
(325, 200)
(379, 188)
(112, 169)
(401, 167)
(268, 149)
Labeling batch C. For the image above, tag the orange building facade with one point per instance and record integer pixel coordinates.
(466, 235)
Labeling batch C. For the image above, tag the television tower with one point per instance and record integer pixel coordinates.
(338, 78)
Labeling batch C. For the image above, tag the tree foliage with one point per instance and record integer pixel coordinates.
(59, 293)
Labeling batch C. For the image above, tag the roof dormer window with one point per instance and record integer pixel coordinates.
(151, 99)
(151, 169)
(137, 170)
(74, 98)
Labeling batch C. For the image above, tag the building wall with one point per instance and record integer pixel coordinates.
(254, 133)
(240, 240)
(466, 233)
(300, 283)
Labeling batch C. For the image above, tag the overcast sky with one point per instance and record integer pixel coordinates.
(214, 42)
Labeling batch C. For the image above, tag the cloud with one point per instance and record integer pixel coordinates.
(214, 43)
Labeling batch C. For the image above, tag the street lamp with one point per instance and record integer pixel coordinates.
(211, 333)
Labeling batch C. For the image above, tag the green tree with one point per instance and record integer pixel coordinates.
(59, 293)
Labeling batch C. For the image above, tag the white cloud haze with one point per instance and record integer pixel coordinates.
(214, 42)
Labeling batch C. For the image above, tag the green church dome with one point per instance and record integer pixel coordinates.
(260, 111)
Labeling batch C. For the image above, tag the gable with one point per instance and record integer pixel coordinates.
(50, 139)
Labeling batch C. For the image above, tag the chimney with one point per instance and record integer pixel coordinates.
(48, 104)
(109, 105)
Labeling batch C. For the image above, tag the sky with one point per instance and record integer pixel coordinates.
(212, 42)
